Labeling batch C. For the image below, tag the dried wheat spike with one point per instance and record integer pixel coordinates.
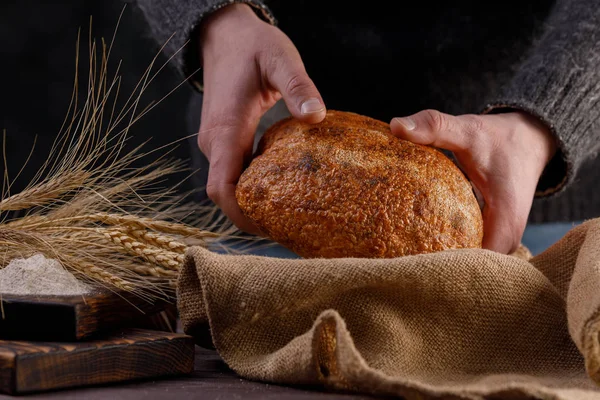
(46, 192)
(109, 278)
(26, 221)
(152, 254)
(151, 270)
(102, 275)
(135, 222)
(155, 239)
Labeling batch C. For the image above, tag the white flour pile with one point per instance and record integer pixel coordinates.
(38, 275)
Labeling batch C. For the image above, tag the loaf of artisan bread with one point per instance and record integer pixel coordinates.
(347, 187)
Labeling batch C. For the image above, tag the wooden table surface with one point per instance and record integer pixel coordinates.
(211, 380)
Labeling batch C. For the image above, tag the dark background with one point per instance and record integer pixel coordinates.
(420, 57)
(38, 47)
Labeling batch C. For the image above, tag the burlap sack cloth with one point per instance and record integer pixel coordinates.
(470, 324)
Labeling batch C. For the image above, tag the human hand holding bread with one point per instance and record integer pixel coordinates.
(249, 65)
(502, 154)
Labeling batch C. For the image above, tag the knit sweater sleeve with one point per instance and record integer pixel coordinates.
(559, 82)
(174, 23)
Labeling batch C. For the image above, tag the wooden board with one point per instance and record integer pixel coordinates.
(212, 379)
(70, 318)
(133, 354)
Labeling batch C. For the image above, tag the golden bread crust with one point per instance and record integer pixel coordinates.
(347, 187)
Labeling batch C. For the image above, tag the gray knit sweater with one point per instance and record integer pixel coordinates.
(543, 58)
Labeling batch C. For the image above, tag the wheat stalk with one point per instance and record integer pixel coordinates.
(44, 193)
(127, 221)
(104, 276)
(147, 252)
(106, 221)
(135, 222)
(150, 270)
(161, 241)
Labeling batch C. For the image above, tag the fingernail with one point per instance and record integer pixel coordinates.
(312, 106)
(407, 123)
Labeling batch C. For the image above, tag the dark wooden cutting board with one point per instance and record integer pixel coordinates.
(70, 318)
(130, 354)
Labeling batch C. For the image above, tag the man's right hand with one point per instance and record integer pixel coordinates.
(248, 66)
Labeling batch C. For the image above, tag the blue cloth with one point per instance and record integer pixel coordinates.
(275, 250)
(537, 238)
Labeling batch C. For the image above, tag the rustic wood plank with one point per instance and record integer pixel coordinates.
(69, 318)
(211, 380)
(7, 374)
(132, 354)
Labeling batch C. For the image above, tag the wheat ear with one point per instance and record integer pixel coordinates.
(155, 239)
(94, 272)
(46, 192)
(151, 270)
(152, 254)
(126, 221)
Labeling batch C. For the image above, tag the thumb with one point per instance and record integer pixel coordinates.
(431, 127)
(300, 94)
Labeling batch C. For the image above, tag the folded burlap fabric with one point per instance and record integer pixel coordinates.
(469, 324)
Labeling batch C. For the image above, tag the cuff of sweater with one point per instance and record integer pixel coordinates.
(191, 54)
(559, 171)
